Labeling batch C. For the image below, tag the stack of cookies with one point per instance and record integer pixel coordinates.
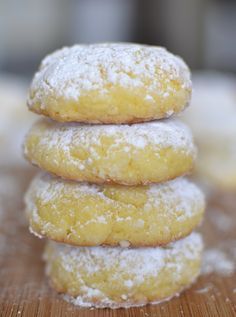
(115, 195)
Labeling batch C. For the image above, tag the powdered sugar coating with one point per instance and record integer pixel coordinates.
(141, 261)
(79, 301)
(81, 214)
(163, 134)
(71, 71)
(179, 195)
(120, 154)
(138, 264)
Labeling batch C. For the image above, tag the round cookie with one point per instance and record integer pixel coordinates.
(128, 155)
(91, 215)
(110, 83)
(120, 277)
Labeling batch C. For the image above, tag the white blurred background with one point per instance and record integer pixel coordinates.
(201, 31)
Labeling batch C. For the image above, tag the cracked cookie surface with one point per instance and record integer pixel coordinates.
(90, 215)
(110, 83)
(135, 154)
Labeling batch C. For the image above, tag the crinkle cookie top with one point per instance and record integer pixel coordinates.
(161, 133)
(129, 266)
(48, 188)
(71, 71)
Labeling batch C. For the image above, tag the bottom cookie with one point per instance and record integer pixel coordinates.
(118, 277)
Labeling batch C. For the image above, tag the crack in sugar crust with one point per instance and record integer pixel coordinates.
(138, 264)
(179, 195)
(162, 133)
(71, 71)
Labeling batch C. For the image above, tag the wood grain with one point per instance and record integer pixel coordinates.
(24, 290)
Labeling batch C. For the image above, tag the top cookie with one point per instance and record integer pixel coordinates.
(110, 83)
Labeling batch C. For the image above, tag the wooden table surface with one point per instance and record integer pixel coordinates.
(24, 290)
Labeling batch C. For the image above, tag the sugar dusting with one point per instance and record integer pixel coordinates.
(139, 264)
(205, 289)
(218, 262)
(220, 258)
(111, 304)
(17, 244)
(161, 134)
(75, 70)
(181, 198)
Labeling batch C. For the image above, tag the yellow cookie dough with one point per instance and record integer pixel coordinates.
(125, 154)
(110, 83)
(119, 277)
(90, 215)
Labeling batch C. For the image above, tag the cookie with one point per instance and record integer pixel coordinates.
(110, 83)
(125, 154)
(82, 214)
(120, 277)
